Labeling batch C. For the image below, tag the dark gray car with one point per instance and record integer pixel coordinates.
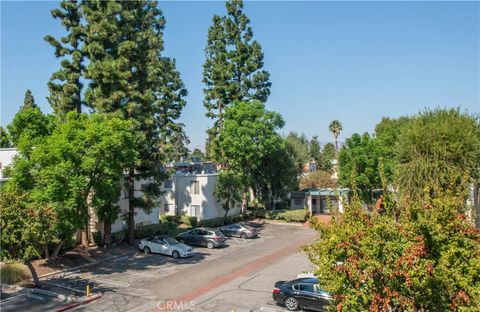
(239, 230)
(206, 237)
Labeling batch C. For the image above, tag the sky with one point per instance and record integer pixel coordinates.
(352, 61)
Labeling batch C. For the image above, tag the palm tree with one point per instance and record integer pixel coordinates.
(335, 128)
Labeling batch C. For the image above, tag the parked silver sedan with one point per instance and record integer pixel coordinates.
(241, 230)
(166, 246)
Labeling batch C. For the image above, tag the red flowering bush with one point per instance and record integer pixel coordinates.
(419, 255)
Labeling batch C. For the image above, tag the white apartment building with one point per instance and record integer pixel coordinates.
(6, 157)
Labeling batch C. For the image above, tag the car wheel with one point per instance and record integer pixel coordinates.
(147, 250)
(175, 254)
(243, 235)
(291, 304)
(210, 245)
(181, 240)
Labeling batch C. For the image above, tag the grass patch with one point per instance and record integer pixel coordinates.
(12, 273)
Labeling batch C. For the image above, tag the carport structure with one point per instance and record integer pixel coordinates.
(319, 201)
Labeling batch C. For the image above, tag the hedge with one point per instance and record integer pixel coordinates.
(299, 215)
(169, 218)
(189, 221)
(118, 237)
(152, 229)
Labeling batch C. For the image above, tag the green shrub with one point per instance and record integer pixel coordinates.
(169, 218)
(299, 215)
(217, 222)
(255, 213)
(273, 214)
(152, 229)
(12, 273)
(97, 238)
(119, 237)
(189, 221)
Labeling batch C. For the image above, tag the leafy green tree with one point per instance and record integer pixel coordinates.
(65, 84)
(359, 161)
(335, 128)
(228, 189)
(314, 147)
(197, 154)
(276, 177)
(233, 67)
(326, 157)
(29, 126)
(317, 179)
(29, 100)
(27, 229)
(387, 133)
(424, 259)
(4, 138)
(437, 146)
(246, 138)
(84, 155)
(128, 74)
(297, 146)
(175, 146)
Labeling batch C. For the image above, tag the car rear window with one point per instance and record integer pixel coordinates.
(218, 233)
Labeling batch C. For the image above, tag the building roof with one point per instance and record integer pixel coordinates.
(329, 192)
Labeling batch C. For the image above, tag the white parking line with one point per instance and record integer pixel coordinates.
(102, 281)
(145, 275)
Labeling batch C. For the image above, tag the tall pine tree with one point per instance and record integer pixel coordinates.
(233, 66)
(29, 100)
(64, 85)
(128, 75)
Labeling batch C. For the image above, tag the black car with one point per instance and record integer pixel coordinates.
(206, 237)
(301, 293)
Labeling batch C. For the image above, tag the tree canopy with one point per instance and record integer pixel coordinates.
(436, 147)
(233, 69)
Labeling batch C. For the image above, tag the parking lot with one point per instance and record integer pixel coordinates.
(144, 282)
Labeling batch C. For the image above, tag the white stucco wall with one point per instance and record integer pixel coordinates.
(141, 217)
(6, 157)
(182, 198)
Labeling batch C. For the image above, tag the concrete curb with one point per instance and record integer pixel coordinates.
(82, 301)
(11, 288)
(78, 267)
(49, 293)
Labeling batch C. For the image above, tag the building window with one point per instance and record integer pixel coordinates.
(168, 207)
(168, 184)
(195, 211)
(314, 201)
(194, 187)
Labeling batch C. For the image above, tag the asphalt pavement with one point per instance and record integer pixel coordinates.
(156, 282)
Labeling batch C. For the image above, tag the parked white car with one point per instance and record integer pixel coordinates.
(166, 246)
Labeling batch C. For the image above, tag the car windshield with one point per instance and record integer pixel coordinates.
(171, 241)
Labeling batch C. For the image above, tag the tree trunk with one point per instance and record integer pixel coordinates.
(131, 207)
(476, 203)
(46, 252)
(57, 249)
(36, 281)
(220, 117)
(244, 200)
(107, 233)
(85, 238)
